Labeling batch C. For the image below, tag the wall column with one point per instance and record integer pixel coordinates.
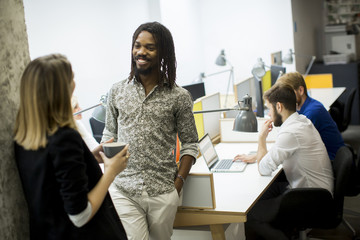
(14, 55)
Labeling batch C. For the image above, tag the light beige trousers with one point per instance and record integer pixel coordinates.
(146, 217)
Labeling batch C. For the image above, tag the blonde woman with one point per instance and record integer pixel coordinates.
(63, 184)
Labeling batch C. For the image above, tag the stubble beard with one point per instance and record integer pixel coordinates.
(277, 119)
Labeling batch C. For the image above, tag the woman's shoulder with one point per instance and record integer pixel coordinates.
(65, 131)
(64, 135)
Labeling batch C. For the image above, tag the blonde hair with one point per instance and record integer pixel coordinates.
(294, 79)
(45, 100)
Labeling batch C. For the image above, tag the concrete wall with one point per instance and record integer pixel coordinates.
(14, 55)
(308, 26)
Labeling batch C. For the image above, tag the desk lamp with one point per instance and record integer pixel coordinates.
(221, 60)
(259, 71)
(245, 120)
(288, 59)
(99, 111)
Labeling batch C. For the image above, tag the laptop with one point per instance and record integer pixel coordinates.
(212, 160)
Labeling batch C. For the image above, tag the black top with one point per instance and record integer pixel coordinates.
(56, 181)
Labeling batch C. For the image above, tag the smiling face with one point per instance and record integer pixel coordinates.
(144, 53)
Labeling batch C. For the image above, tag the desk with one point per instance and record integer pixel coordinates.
(235, 193)
(326, 96)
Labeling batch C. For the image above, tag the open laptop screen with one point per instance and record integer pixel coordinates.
(207, 150)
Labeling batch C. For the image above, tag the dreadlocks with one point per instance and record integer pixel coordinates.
(166, 52)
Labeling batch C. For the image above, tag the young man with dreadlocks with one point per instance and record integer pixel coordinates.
(147, 111)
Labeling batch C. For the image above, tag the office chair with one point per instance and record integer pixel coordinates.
(304, 208)
(341, 112)
(354, 189)
(97, 128)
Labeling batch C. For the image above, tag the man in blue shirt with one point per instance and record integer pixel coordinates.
(316, 112)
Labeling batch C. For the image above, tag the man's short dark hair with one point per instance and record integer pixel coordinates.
(282, 93)
(165, 49)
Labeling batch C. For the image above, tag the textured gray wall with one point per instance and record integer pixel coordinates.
(14, 55)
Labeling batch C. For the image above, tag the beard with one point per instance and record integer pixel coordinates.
(277, 119)
(145, 71)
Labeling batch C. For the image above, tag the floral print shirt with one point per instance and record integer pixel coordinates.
(149, 125)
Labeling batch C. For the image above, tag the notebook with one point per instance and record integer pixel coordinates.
(212, 160)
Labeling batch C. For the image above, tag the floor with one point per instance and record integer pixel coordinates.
(352, 204)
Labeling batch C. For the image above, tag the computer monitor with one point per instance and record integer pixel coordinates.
(259, 97)
(196, 90)
(244, 87)
(275, 72)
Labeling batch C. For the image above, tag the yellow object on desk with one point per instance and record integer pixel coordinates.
(199, 119)
(319, 81)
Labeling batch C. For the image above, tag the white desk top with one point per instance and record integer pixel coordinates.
(326, 96)
(235, 192)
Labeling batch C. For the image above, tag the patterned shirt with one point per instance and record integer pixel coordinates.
(149, 125)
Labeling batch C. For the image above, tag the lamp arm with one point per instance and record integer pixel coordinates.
(310, 65)
(231, 80)
(222, 110)
(228, 62)
(86, 109)
(212, 74)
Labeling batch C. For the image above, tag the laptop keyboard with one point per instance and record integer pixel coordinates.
(224, 164)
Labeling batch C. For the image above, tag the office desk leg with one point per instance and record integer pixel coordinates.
(217, 232)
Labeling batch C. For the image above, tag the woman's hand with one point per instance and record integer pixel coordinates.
(98, 149)
(116, 164)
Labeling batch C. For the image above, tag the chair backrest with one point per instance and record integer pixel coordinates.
(347, 110)
(97, 128)
(341, 111)
(316, 207)
(342, 166)
(354, 186)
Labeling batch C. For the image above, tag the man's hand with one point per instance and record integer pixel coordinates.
(266, 128)
(262, 150)
(248, 158)
(185, 165)
(178, 185)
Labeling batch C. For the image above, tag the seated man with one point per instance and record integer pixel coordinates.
(314, 111)
(300, 150)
